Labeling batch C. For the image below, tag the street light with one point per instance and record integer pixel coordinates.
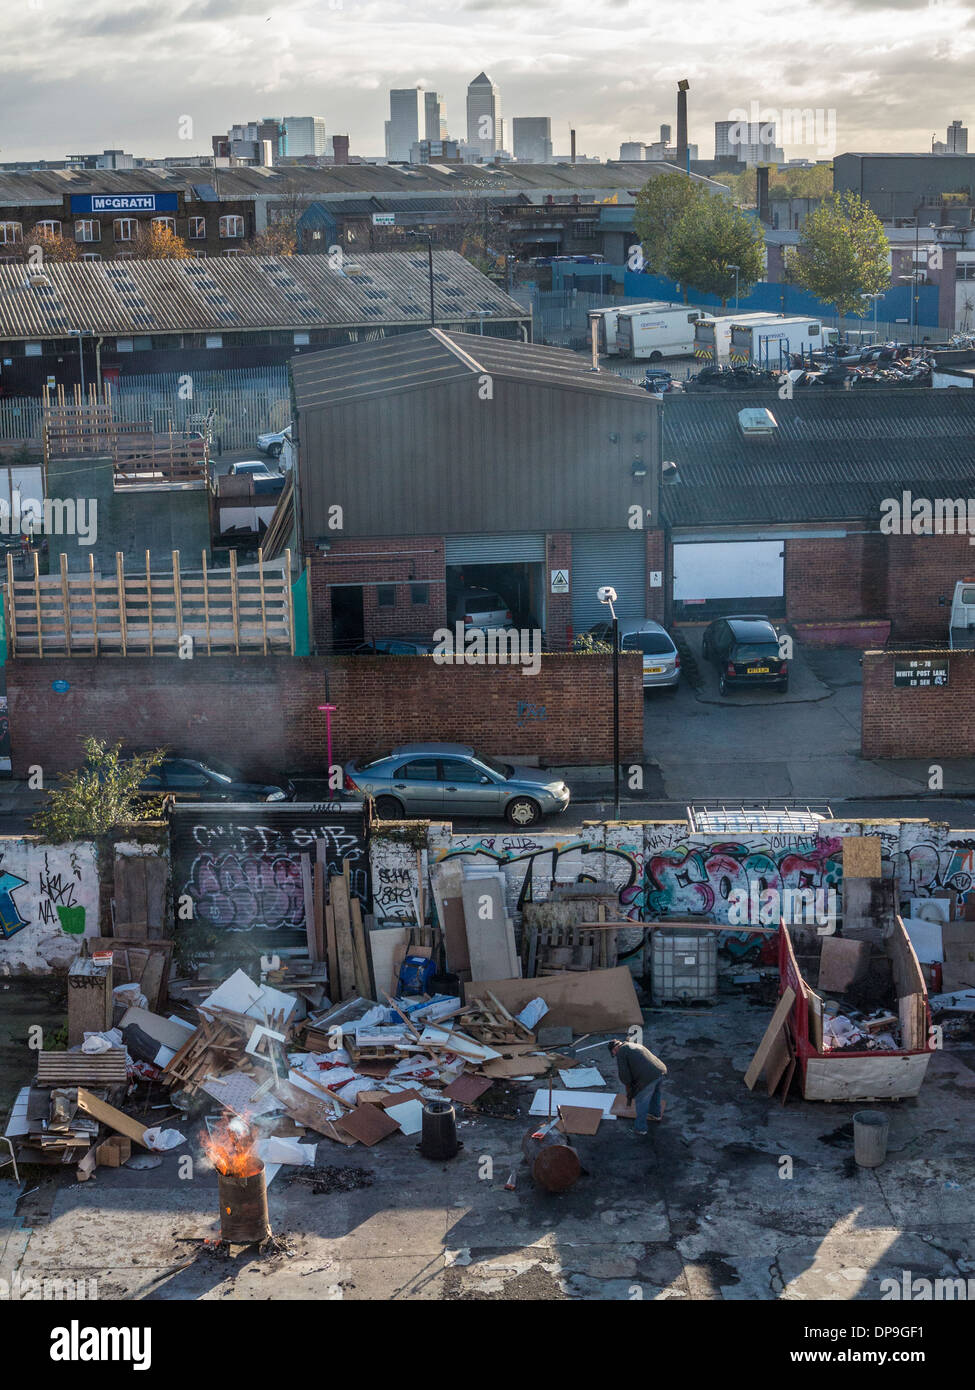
(874, 297)
(736, 269)
(606, 594)
(79, 333)
(425, 236)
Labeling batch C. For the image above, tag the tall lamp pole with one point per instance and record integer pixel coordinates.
(608, 595)
(736, 269)
(429, 241)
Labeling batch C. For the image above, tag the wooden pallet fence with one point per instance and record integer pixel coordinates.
(149, 612)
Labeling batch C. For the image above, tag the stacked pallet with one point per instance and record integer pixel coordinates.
(81, 1068)
(216, 1047)
(334, 927)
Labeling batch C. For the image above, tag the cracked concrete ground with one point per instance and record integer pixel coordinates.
(732, 1196)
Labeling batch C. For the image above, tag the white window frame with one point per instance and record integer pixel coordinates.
(11, 233)
(233, 251)
(123, 345)
(125, 222)
(33, 349)
(49, 225)
(196, 229)
(168, 222)
(214, 340)
(225, 224)
(82, 228)
(91, 255)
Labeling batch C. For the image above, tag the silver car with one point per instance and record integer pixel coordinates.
(661, 660)
(435, 781)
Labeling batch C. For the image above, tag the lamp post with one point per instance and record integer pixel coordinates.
(80, 334)
(608, 595)
(736, 269)
(875, 298)
(425, 236)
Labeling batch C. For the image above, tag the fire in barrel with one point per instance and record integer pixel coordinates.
(240, 1183)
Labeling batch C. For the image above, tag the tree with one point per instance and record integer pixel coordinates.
(660, 205)
(279, 239)
(53, 247)
(94, 799)
(712, 236)
(155, 242)
(842, 254)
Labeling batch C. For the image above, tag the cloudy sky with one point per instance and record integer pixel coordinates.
(80, 78)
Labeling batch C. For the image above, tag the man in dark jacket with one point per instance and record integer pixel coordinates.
(642, 1075)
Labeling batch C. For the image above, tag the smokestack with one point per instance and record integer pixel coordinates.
(762, 198)
(340, 145)
(682, 87)
(572, 145)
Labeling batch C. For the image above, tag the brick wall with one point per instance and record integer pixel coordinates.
(558, 614)
(656, 598)
(828, 580)
(899, 722)
(261, 714)
(372, 563)
(922, 569)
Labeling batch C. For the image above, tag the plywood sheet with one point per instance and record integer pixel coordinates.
(861, 856)
(466, 1089)
(368, 1123)
(578, 1119)
(114, 1119)
(455, 933)
(623, 1108)
(883, 1077)
(768, 1039)
(591, 1001)
(842, 963)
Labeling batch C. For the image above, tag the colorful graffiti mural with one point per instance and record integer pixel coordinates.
(49, 898)
(700, 875)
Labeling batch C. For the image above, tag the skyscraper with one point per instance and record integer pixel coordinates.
(434, 116)
(531, 138)
(403, 126)
(484, 115)
(303, 135)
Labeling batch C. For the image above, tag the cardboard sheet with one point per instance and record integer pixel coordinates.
(592, 1001)
(578, 1119)
(590, 1100)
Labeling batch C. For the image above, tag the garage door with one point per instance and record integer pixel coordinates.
(490, 550)
(705, 570)
(617, 558)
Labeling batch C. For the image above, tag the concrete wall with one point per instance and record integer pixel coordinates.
(261, 713)
(904, 722)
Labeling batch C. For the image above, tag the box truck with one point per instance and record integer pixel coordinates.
(665, 330)
(712, 334)
(606, 321)
(769, 345)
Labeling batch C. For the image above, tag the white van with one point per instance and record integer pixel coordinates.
(962, 633)
(660, 331)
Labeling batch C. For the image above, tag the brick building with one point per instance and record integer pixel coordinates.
(448, 461)
(790, 521)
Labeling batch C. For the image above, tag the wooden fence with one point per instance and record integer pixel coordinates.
(151, 613)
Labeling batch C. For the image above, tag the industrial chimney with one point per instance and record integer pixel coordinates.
(682, 87)
(340, 144)
(572, 145)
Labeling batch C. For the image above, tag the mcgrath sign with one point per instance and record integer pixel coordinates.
(125, 202)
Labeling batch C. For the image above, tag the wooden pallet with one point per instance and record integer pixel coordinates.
(89, 1069)
(214, 1048)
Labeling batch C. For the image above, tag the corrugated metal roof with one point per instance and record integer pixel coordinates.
(834, 456)
(242, 292)
(413, 361)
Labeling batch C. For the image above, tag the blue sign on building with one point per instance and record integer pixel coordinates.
(124, 202)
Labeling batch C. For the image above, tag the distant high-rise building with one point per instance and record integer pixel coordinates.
(484, 115)
(403, 126)
(665, 135)
(531, 138)
(956, 140)
(750, 142)
(434, 117)
(303, 135)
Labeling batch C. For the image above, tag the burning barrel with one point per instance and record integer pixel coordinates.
(553, 1162)
(241, 1184)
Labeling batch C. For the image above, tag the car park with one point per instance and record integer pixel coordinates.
(441, 780)
(744, 649)
(188, 779)
(661, 659)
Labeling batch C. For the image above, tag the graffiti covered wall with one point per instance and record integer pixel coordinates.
(240, 865)
(49, 898)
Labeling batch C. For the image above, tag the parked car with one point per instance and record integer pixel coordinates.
(253, 468)
(395, 646)
(272, 444)
(661, 659)
(440, 780)
(187, 779)
(745, 650)
(480, 608)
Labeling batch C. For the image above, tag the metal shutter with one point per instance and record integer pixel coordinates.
(490, 550)
(618, 558)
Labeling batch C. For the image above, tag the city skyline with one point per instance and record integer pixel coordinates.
(214, 62)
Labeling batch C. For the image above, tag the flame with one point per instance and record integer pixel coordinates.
(230, 1148)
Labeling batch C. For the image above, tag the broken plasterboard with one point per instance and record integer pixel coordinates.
(580, 1077)
(408, 1114)
(241, 995)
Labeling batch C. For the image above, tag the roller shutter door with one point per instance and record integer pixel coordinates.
(493, 550)
(728, 570)
(617, 558)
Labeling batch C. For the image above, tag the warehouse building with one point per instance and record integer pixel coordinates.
(440, 462)
(139, 317)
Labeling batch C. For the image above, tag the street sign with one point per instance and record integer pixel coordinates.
(560, 581)
(922, 673)
(384, 219)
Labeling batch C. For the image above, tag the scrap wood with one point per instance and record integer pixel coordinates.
(467, 1088)
(306, 1110)
(115, 1119)
(578, 1119)
(92, 1068)
(360, 958)
(776, 1024)
(339, 899)
(593, 1001)
(368, 1124)
(332, 1095)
